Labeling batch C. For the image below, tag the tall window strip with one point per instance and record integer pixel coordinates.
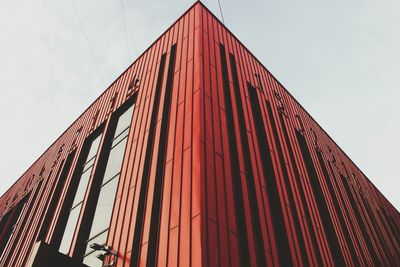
(21, 221)
(384, 256)
(390, 234)
(11, 221)
(394, 229)
(363, 228)
(108, 188)
(152, 254)
(73, 213)
(250, 182)
(301, 192)
(325, 216)
(286, 184)
(378, 233)
(341, 195)
(335, 199)
(146, 168)
(61, 178)
(271, 182)
(244, 254)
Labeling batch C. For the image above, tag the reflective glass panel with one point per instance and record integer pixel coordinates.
(124, 120)
(115, 161)
(94, 147)
(83, 182)
(69, 229)
(89, 164)
(102, 216)
(120, 137)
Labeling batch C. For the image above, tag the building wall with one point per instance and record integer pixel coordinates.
(277, 189)
(223, 167)
(180, 201)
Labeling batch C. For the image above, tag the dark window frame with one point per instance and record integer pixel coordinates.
(89, 206)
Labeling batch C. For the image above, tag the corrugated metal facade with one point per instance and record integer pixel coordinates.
(222, 167)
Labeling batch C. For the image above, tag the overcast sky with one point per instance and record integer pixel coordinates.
(339, 58)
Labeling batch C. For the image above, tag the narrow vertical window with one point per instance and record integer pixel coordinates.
(274, 199)
(160, 169)
(21, 220)
(73, 212)
(286, 182)
(301, 192)
(377, 231)
(358, 216)
(244, 254)
(335, 199)
(254, 211)
(108, 188)
(60, 182)
(321, 202)
(394, 229)
(11, 221)
(147, 164)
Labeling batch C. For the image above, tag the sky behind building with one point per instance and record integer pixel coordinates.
(339, 59)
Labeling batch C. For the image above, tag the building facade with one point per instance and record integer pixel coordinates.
(196, 156)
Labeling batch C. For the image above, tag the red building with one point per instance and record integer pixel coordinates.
(196, 155)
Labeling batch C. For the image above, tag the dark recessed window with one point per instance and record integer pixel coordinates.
(11, 221)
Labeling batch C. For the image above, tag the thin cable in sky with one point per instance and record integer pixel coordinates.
(88, 42)
(125, 28)
(220, 9)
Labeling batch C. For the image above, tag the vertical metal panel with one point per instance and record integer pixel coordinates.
(219, 97)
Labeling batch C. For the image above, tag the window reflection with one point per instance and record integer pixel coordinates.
(124, 121)
(69, 230)
(94, 148)
(79, 196)
(120, 137)
(108, 189)
(104, 207)
(80, 192)
(115, 161)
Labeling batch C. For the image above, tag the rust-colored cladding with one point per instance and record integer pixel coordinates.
(222, 167)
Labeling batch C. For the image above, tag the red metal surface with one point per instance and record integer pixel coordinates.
(246, 177)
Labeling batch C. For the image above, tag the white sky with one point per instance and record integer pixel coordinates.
(339, 58)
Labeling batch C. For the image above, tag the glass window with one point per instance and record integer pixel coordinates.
(79, 195)
(105, 202)
(115, 161)
(83, 182)
(102, 216)
(89, 164)
(69, 229)
(124, 121)
(13, 221)
(94, 147)
(120, 137)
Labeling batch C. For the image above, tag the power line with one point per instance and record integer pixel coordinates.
(125, 28)
(220, 9)
(88, 42)
(127, 31)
